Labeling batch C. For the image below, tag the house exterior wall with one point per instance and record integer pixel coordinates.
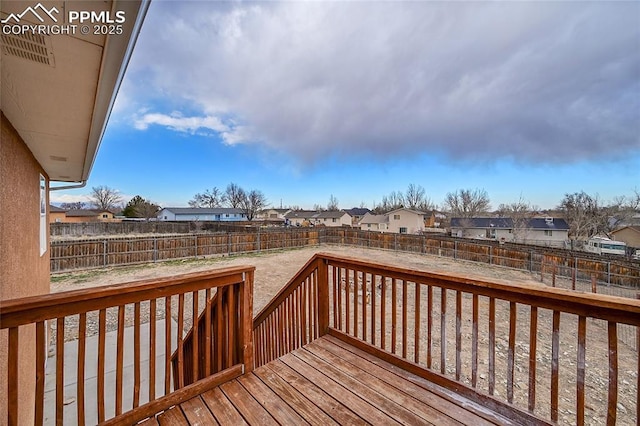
(556, 239)
(628, 235)
(344, 220)
(170, 216)
(25, 272)
(414, 223)
(57, 217)
(80, 219)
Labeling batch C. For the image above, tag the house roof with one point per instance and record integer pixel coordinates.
(356, 211)
(507, 223)
(636, 229)
(374, 218)
(59, 90)
(548, 223)
(55, 209)
(482, 222)
(418, 212)
(86, 212)
(330, 214)
(279, 210)
(203, 210)
(300, 214)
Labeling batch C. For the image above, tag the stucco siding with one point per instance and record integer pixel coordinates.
(25, 272)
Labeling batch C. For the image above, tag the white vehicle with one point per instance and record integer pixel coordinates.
(602, 245)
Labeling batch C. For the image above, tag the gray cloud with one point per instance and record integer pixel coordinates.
(552, 82)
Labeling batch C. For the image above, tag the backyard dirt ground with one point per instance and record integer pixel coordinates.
(274, 269)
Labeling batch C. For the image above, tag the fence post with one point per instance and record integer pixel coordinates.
(542, 270)
(228, 243)
(155, 249)
(104, 252)
(195, 246)
(455, 249)
(574, 273)
(608, 273)
(490, 255)
(395, 242)
(258, 241)
(594, 287)
(553, 274)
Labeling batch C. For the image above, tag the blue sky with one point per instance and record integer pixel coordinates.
(303, 100)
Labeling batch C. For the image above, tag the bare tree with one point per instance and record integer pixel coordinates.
(252, 202)
(332, 205)
(467, 203)
(235, 195)
(105, 198)
(210, 198)
(520, 213)
(76, 205)
(414, 196)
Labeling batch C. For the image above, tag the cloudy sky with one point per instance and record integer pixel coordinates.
(356, 99)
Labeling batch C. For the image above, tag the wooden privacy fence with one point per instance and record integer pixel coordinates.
(97, 253)
(168, 306)
(549, 352)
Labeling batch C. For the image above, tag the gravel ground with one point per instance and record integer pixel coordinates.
(274, 269)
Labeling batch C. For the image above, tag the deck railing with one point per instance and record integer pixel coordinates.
(101, 315)
(531, 352)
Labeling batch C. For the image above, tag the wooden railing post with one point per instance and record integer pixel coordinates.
(323, 296)
(247, 321)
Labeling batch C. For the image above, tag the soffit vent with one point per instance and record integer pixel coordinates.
(32, 47)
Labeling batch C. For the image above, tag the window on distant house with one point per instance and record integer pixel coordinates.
(226, 215)
(548, 232)
(334, 220)
(368, 225)
(105, 216)
(403, 230)
(396, 217)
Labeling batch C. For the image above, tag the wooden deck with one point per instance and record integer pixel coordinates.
(328, 382)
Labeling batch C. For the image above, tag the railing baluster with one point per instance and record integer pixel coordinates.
(334, 301)
(167, 345)
(194, 337)
(416, 325)
(373, 309)
(207, 332)
(339, 282)
(233, 315)
(364, 305)
(347, 304)
(219, 329)
(41, 353)
(533, 343)
(555, 353)
(492, 345)
(443, 329)
(613, 373)
(102, 331)
(180, 338)
(355, 304)
(429, 324)
(82, 338)
(394, 314)
(119, 359)
(12, 377)
(136, 355)
(383, 312)
(152, 349)
(511, 354)
(404, 319)
(580, 373)
(59, 371)
(458, 334)
(474, 342)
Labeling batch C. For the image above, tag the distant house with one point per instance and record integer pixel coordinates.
(356, 214)
(56, 214)
(89, 215)
(332, 218)
(374, 222)
(189, 214)
(405, 221)
(629, 234)
(543, 231)
(499, 228)
(433, 219)
(300, 217)
(273, 216)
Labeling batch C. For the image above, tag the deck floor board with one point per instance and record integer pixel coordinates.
(329, 382)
